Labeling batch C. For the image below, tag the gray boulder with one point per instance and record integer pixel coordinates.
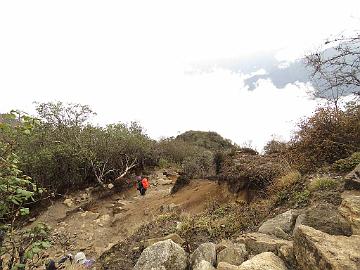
(350, 209)
(263, 261)
(299, 220)
(174, 237)
(235, 254)
(205, 252)
(204, 265)
(352, 180)
(317, 250)
(281, 225)
(164, 255)
(327, 218)
(258, 243)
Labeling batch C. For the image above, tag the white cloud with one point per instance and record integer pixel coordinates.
(127, 59)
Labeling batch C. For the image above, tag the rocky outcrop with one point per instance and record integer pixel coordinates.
(258, 243)
(317, 250)
(174, 237)
(234, 254)
(352, 180)
(263, 261)
(327, 218)
(299, 220)
(205, 252)
(281, 225)
(165, 255)
(350, 209)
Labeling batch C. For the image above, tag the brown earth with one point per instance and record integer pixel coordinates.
(97, 226)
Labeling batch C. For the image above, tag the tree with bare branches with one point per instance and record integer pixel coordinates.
(336, 68)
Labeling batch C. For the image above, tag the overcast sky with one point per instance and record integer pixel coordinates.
(139, 60)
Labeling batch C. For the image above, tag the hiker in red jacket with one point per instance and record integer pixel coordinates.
(142, 185)
(145, 184)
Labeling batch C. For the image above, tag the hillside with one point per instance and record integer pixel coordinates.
(207, 139)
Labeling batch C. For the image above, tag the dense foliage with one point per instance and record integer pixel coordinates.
(17, 190)
(65, 152)
(325, 137)
(209, 140)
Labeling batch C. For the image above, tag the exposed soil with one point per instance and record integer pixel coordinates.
(94, 226)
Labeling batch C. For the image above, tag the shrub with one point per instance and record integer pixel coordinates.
(206, 139)
(198, 165)
(17, 192)
(347, 164)
(251, 171)
(64, 153)
(286, 181)
(325, 137)
(302, 197)
(323, 183)
(275, 147)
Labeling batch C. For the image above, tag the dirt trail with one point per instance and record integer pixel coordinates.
(107, 221)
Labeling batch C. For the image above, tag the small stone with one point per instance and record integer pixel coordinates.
(110, 186)
(68, 202)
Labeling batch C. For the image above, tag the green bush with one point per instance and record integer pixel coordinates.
(17, 192)
(323, 183)
(347, 164)
(302, 197)
(199, 165)
(64, 152)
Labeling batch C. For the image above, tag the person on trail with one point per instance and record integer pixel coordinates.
(139, 185)
(145, 184)
(142, 185)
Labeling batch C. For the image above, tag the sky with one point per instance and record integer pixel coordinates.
(144, 61)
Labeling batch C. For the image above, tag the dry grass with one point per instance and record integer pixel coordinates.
(323, 183)
(285, 181)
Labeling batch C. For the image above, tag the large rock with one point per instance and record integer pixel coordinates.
(235, 254)
(283, 223)
(317, 250)
(263, 261)
(226, 266)
(299, 220)
(352, 180)
(350, 209)
(205, 252)
(174, 237)
(259, 242)
(204, 265)
(327, 218)
(164, 255)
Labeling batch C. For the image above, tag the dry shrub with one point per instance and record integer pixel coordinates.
(225, 221)
(285, 181)
(347, 164)
(249, 171)
(275, 147)
(323, 183)
(325, 137)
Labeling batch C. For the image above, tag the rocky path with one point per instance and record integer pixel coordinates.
(98, 225)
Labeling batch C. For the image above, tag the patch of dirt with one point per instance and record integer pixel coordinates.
(94, 226)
